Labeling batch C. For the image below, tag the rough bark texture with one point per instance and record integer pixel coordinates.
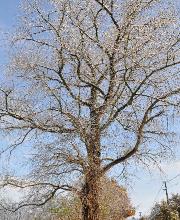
(91, 190)
(90, 202)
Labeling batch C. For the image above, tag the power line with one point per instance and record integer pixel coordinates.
(158, 194)
(178, 175)
(166, 188)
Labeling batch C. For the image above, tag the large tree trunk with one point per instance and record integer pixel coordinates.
(91, 189)
(90, 197)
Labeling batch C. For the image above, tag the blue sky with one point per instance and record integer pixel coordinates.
(8, 10)
(8, 15)
(145, 188)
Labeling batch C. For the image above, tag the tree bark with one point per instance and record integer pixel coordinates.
(90, 197)
(91, 189)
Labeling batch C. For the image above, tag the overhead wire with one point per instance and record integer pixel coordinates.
(178, 175)
(157, 194)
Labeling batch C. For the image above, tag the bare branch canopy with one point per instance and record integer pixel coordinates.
(94, 83)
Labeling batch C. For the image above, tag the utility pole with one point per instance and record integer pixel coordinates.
(165, 189)
(140, 214)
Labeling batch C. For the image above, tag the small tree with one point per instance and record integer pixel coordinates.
(164, 211)
(114, 204)
(93, 84)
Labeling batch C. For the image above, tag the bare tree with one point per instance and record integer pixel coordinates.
(93, 84)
